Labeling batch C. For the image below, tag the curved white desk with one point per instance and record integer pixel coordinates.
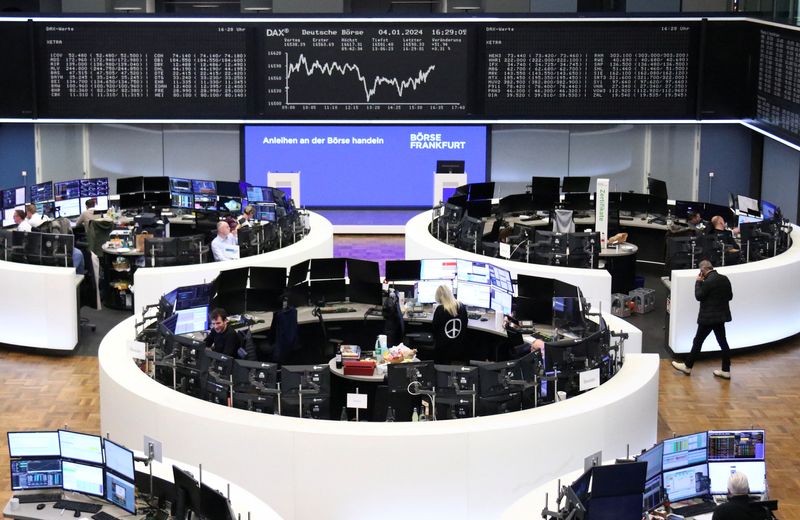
(151, 282)
(41, 306)
(765, 306)
(468, 468)
(594, 283)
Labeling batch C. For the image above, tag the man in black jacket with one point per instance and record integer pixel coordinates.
(222, 338)
(714, 293)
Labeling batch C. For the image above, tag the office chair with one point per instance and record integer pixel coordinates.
(283, 336)
(562, 221)
(88, 293)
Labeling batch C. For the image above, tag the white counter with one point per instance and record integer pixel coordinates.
(765, 306)
(468, 468)
(149, 283)
(40, 306)
(594, 283)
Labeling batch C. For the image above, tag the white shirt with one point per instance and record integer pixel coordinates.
(225, 248)
(24, 226)
(35, 220)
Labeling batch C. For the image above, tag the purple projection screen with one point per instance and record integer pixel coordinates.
(351, 166)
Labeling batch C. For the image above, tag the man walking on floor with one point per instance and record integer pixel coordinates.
(714, 293)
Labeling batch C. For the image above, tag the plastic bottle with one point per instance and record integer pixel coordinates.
(343, 416)
(415, 415)
(423, 417)
(390, 414)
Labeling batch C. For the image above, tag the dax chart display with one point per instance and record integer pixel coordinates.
(340, 70)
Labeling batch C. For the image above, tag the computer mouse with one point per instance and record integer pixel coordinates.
(40, 506)
(77, 514)
(484, 319)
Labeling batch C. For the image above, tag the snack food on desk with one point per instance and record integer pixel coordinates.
(399, 354)
(351, 352)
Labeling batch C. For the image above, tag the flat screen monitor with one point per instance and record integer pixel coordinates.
(13, 197)
(191, 320)
(228, 189)
(119, 459)
(68, 208)
(121, 492)
(501, 300)
(449, 166)
(100, 202)
(187, 492)
(535, 287)
(254, 376)
(213, 504)
(157, 199)
(425, 292)
(567, 314)
(685, 483)
(130, 185)
(653, 457)
(365, 271)
(156, 184)
(438, 269)
(259, 194)
(178, 185)
(500, 278)
(400, 375)
(686, 450)
(474, 272)
(755, 470)
(33, 444)
(517, 203)
(203, 187)
(365, 292)
(8, 215)
(657, 188)
(311, 377)
(268, 278)
(327, 268)
(83, 478)
(575, 184)
(230, 204)
(475, 295)
(328, 291)
(298, 273)
(546, 191)
(768, 209)
(266, 213)
(35, 473)
(41, 192)
(653, 495)
(481, 191)
(618, 480)
(579, 201)
(131, 200)
(403, 270)
(46, 208)
(80, 446)
(94, 187)
(231, 280)
(635, 203)
(736, 445)
(748, 205)
(182, 200)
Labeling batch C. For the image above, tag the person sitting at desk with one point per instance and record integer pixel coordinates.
(34, 218)
(694, 222)
(739, 506)
(517, 345)
(719, 230)
(222, 338)
(225, 246)
(449, 327)
(88, 214)
(21, 222)
(246, 218)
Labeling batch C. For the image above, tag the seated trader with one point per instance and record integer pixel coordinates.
(246, 218)
(449, 328)
(222, 338)
(21, 222)
(719, 230)
(88, 213)
(739, 506)
(225, 245)
(34, 218)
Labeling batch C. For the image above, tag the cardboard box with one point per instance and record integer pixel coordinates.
(359, 368)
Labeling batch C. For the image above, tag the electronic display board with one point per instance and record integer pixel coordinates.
(16, 62)
(590, 70)
(778, 86)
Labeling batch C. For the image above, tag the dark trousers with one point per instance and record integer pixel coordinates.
(702, 333)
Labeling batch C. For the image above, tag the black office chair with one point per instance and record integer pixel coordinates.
(282, 338)
(88, 294)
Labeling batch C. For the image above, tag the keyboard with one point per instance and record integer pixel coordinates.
(335, 310)
(474, 316)
(38, 498)
(417, 314)
(104, 516)
(695, 509)
(83, 507)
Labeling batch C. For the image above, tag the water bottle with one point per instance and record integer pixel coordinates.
(415, 415)
(390, 414)
(423, 417)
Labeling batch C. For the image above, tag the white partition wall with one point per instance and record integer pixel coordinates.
(594, 283)
(288, 182)
(765, 306)
(442, 181)
(303, 468)
(151, 282)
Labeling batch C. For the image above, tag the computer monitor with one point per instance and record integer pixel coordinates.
(768, 209)
(255, 402)
(327, 268)
(452, 384)
(266, 213)
(438, 268)
(178, 185)
(579, 201)
(46, 208)
(68, 207)
(517, 203)
(273, 278)
(35, 473)
(545, 191)
(311, 377)
(748, 205)
(194, 295)
(575, 184)
(156, 199)
(67, 190)
(400, 375)
(474, 272)
(131, 200)
(551, 241)
(687, 450)
(233, 279)
(13, 197)
(156, 183)
(100, 202)
(653, 457)
(298, 273)
(130, 185)
(475, 295)
(254, 376)
(634, 203)
(259, 194)
(481, 191)
(97, 187)
(182, 200)
(187, 493)
(213, 504)
(41, 192)
(755, 470)
(121, 492)
(736, 445)
(119, 459)
(501, 301)
(687, 482)
(403, 270)
(365, 292)
(203, 187)
(230, 204)
(653, 495)
(80, 446)
(618, 479)
(448, 166)
(657, 188)
(219, 365)
(191, 320)
(500, 278)
(366, 271)
(567, 313)
(425, 290)
(83, 478)
(228, 189)
(328, 291)
(33, 444)
(161, 247)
